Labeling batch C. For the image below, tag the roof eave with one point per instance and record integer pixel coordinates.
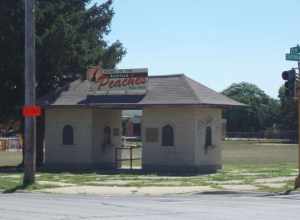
(141, 105)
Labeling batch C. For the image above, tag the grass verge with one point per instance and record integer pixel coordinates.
(277, 177)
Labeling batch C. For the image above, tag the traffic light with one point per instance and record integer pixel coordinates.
(290, 85)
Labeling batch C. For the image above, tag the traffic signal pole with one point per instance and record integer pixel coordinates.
(292, 86)
(30, 122)
(297, 182)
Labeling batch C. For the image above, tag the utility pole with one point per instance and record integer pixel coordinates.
(30, 122)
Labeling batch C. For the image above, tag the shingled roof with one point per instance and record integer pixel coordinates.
(162, 90)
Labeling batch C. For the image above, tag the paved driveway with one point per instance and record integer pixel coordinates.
(227, 206)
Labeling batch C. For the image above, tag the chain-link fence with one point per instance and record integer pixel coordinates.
(284, 136)
(10, 151)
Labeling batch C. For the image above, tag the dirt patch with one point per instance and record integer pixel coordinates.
(109, 183)
(275, 179)
(103, 190)
(240, 187)
(274, 185)
(230, 182)
(60, 184)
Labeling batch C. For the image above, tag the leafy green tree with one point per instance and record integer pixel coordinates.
(288, 111)
(260, 113)
(12, 58)
(69, 38)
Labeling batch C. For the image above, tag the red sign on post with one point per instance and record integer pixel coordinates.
(31, 111)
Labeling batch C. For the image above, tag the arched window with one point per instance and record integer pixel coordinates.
(68, 135)
(107, 136)
(208, 137)
(167, 136)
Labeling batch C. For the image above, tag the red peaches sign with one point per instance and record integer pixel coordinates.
(117, 82)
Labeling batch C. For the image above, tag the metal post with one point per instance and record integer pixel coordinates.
(297, 182)
(30, 122)
(298, 95)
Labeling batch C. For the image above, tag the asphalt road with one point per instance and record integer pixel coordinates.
(227, 206)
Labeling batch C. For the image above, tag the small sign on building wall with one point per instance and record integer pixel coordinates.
(117, 82)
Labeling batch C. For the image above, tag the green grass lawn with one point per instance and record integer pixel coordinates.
(247, 152)
(230, 175)
(251, 152)
(234, 152)
(244, 164)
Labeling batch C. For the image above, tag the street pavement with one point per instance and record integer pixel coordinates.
(199, 206)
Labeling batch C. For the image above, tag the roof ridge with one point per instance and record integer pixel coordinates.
(167, 75)
(191, 88)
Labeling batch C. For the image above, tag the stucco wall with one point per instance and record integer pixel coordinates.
(208, 117)
(57, 154)
(189, 125)
(181, 119)
(88, 149)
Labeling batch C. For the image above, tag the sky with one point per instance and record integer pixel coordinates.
(214, 42)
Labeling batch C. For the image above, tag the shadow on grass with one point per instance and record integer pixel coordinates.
(289, 191)
(10, 169)
(219, 192)
(103, 171)
(16, 188)
(239, 193)
(284, 193)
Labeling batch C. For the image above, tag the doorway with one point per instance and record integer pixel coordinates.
(129, 154)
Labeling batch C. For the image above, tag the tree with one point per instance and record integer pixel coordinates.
(288, 111)
(12, 58)
(261, 112)
(69, 38)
